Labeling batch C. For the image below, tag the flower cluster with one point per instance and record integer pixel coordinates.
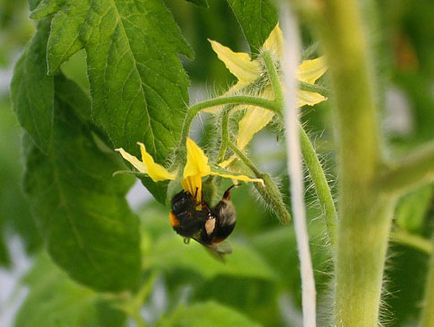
(195, 169)
(248, 71)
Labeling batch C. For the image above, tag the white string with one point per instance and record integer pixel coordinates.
(290, 61)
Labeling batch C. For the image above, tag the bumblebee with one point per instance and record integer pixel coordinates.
(208, 226)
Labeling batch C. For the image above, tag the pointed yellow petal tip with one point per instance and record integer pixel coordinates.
(242, 178)
(274, 42)
(238, 63)
(132, 160)
(155, 171)
(197, 161)
(309, 98)
(227, 162)
(252, 122)
(195, 168)
(311, 70)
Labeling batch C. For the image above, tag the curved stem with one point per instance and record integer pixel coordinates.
(246, 160)
(235, 99)
(313, 88)
(269, 191)
(322, 187)
(274, 79)
(310, 157)
(224, 136)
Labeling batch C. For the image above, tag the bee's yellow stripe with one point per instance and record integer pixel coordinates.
(174, 222)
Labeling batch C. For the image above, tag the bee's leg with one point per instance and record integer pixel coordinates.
(227, 194)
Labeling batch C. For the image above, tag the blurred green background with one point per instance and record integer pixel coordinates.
(260, 280)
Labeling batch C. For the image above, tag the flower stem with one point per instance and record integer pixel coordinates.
(246, 160)
(427, 318)
(273, 74)
(235, 99)
(224, 135)
(322, 187)
(269, 191)
(309, 155)
(313, 88)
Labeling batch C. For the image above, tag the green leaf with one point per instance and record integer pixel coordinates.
(208, 314)
(200, 3)
(81, 209)
(138, 84)
(15, 216)
(54, 300)
(67, 91)
(32, 90)
(257, 19)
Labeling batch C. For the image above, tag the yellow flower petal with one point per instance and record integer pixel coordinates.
(242, 178)
(309, 98)
(197, 161)
(193, 185)
(133, 160)
(227, 162)
(274, 42)
(310, 70)
(155, 171)
(253, 121)
(195, 168)
(238, 63)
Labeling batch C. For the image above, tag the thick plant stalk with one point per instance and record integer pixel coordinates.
(289, 67)
(427, 319)
(364, 212)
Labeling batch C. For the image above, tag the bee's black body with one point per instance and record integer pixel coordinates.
(208, 226)
(186, 219)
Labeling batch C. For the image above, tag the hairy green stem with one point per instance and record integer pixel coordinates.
(310, 157)
(224, 136)
(364, 214)
(274, 79)
(322, 187)
(313, 88)
(415, 169)
(246, 160)
(269, 191)
(235, 99)
(415, 241)
(427, 318)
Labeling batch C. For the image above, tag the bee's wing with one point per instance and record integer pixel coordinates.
(219, 250)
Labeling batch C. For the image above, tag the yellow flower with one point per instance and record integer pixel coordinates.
(196, 167)
(248, 70)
